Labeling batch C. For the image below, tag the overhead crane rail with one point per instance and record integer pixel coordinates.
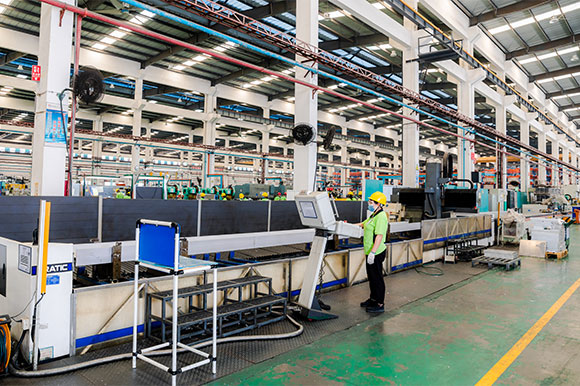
(413, 15)
(240, 22)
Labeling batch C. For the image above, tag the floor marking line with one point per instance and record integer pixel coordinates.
(502, 365)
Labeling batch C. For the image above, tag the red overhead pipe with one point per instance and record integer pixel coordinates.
(86, 13)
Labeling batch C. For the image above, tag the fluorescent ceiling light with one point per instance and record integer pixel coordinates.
(108, 40)
(200, 58)
(546, 15)
(247, 85)
(545, 80)
(135, 20)
(147, 13)
(378, 6)
(563, 77)
(267, 78)
(188, 63)
(497, 30)
(118, 34)
(548, 55)
(529, 60)
(332, 87)
(220, 49)
(179, 67)
(256, 82)
(99, 46)
(335, 14)
(568, 50)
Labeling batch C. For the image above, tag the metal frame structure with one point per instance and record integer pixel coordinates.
(175, 270)
(243, 313)
(238, 21)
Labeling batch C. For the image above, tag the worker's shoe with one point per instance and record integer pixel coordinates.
(368, 303)
(377, 309)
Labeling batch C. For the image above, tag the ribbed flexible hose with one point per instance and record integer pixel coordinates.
(120, 357)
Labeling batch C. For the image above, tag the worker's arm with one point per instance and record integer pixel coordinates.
(377, 243)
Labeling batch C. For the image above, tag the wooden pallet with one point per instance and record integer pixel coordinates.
(508, 263)
(557, 255)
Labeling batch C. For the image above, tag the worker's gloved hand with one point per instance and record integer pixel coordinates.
(371, 258)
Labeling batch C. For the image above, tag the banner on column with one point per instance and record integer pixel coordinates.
(54, 127)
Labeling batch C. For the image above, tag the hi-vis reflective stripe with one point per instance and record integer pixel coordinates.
(46, 231)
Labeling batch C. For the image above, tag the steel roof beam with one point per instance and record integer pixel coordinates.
(544, 46)
(355, 41)
(255, 13)
(437, 86)
(11, 57)
(160, 90)
(553, 74)
(504, 11)
(565, 92)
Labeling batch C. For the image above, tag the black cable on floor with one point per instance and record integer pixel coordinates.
(425, 271)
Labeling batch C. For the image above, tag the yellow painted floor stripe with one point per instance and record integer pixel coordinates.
(502, 365)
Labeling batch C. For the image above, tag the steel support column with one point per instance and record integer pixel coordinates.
(306, 102)
(48, 143)
(411, 130)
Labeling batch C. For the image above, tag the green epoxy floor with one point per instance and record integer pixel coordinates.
(452, 337)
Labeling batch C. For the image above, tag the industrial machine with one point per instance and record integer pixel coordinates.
(435, 200)
(551, 230)
(256, 190)
(513, 227)
(317, 211)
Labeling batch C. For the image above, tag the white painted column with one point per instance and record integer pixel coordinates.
(343, 160)
(525, 162)
(209, 133)
(501, 126)
(410, 130)
(49, 151)
(556, 174)
(97, 149)
(466, 106)
(138, 105)
(565, 158)
(542, 175)
(306, 102)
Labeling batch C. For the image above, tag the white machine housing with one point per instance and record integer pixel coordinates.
(54, 310)
(317, 211)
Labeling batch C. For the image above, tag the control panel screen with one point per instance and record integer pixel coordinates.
(308, 210)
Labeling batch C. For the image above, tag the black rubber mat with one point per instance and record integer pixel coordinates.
(402, 288)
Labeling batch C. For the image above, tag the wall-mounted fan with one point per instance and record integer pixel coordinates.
(327, 141)
(88, 86)
(303, 133)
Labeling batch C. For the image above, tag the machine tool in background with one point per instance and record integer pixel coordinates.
(256, 190)
(513, 227)
(553, 231)
(435, 200)
(318, 211)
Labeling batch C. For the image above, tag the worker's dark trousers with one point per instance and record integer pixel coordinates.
(376, 281)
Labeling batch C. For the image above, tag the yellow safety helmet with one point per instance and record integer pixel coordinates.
(265, 194)
(379, 197)
(360, 193)
(223, 194)
(203, 194)
(241, 195)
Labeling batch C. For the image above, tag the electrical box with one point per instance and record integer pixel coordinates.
(316, 210)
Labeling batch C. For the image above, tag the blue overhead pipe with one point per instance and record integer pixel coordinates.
(212, 32)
